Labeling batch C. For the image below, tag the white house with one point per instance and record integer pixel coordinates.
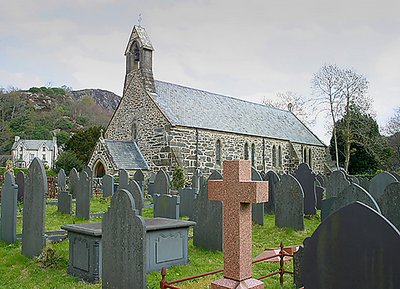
(25, 150)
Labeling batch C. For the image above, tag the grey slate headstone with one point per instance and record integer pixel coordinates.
(123, 245)
(364, 182)
(20, 182)
(151, 183)
(319, 194)
(353, 248)
(73, 182)
(337, 182)
(108, 186)
(61, 181)
(273, 180)
(137, 194)
(257, 210)
(306, 178)
(289, 203)
(166, 206)
(389, 203)
(187, 197)
(208, 231)
(379, 182)
(123, 181)
(8, 221)
(161, 183)
(64, 202)
(322, 179)
(83, 197)
(34, 213)
(139, 179)
(89, 172)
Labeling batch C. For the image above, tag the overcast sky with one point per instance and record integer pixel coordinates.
(246, 49)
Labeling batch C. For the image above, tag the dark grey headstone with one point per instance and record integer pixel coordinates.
(353, 248)
(8, 221)
(89, 172)
(124, 244)
(166, 206)
(123, 181)
(108, 186)
(257, 210)
(161, 183)
(326, 207)
(364, 182)
(379, 183)
(73, 182)
(289, 203)
(20, 182)
(34, 213)
(187, 197)
(64, 203)
(336, 183)
(61, 181)
(297, 258)
(151, 183)
(139, 178)
(208, 231)
(83, 197)
(306, 178)
(137, 194)
(319, 194)
(273, 180)
(389, 203)
(322, 179)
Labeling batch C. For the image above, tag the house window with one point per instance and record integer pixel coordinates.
(20, 148)
(218, 152)
(274, 156)
(246, 151)
(280, 156)
(44, 157)
(253, 155)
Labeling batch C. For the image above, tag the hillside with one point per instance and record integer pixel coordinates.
(40, 112)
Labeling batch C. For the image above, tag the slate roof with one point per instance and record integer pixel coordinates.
(31, 144)
(144, 40)
(126, 155)
(190, 107)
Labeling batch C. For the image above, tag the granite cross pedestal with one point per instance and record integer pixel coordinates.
(237, 192)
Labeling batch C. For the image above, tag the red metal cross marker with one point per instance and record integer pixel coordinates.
(237, 192)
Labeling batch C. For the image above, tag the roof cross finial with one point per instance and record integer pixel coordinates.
(140, 19)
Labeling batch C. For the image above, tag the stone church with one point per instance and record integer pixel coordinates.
(162, 125)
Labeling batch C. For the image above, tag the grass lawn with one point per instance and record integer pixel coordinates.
(50, 270)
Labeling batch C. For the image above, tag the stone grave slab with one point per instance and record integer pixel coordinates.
(337, 182)
(73, 182)
(389, 203)
(151, 183)
(20, 182)
(108, 186)
(187, 196)
(61, 181)
(161, 183)
(319, 194)
(306, 178)
(89, 172)
(8, 221)
(134, 189)
(64, 202)
(378, 184)
(322, 179)
(83, 197)
(364, 182)
(273, 180)
(139, 179)
(123, 181)
(166, 206)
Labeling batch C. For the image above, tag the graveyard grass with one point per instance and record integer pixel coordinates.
(50, 269)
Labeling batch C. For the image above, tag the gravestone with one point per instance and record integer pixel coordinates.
(64, 202)
(187, 196)
(319, 194)
(139, 179)
(273, 180)
(257, 210)
(73, 182)
(237, 192)
(306, 178)
(34, 213)
(389, 203)
(108, 186)
(83, 197)
(322, 179)
(123, 181)
(379, 182)
(354, 180)
(166, 206)
(123, 244)
(61, 181)
(364, 182)
(289, 203)
(196, 179)
(20, 182)
(207, 232)
(136, 192)
(89, 172)
(151, 183)
(354, 248)
(161, 183)
(337, 182)
(8, 221)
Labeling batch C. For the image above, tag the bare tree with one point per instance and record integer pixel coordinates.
(393, 124)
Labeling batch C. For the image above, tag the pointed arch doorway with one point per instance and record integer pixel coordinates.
(99, 170)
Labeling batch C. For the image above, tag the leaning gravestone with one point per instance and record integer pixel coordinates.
(353, 248)
(337, 182)
(123, 182)
(33, 240)
(108, 186)
(306, 178)
(83, 197)
(257, 212)
(289, 203)
(64, 202)
(123, 244)
(61, 181)
(379, 183)
(20, 182)
(73, 182)
(136, 192)
(207, 232)
(8, 221)
(273, 180)
(139, 179)
(89, 172)
(389, 203)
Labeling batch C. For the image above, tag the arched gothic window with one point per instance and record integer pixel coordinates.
(253, 155)
(274, 156)
(305, 160)
(218, 152)
(246, 151)
(280, 156)
(309, 158)
(134, 132)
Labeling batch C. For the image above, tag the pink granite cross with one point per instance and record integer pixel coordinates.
(237, 192)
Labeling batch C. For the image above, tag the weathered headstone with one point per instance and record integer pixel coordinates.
(124, 244)
(83, 197)
(354, 180)
(89, 172)
(379, 182)
(61, 181)
(257, 211)
(353, 248)
(289, 203)
(64, 202)
(20, 182)
(337, 182)
(123, 181)
(151, 183)
(306, 178)
(136, 192)
(207, 232)
(322, 179)
(273, 180)
(34, 213)
(108, 186)
(364, 182)
(73, 182)
(319, 194)
(389, 203)
(166, 206)
(161, 183)
(8, 221)
(139, 178)
(187, 196)
(237, 192)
